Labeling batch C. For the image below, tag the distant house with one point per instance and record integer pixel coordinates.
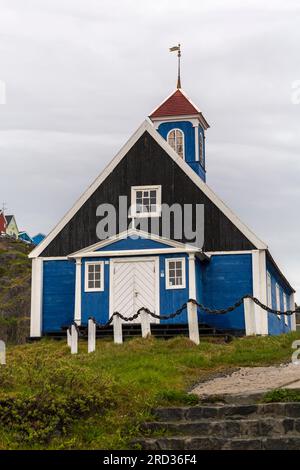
(25, 237)
(11, 227)
(38, 238)
(3, 222)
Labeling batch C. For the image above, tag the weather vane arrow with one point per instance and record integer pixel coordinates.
(174, 49)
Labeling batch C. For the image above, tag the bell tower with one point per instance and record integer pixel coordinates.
(182, 124)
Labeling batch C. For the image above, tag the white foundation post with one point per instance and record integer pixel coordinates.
(74, 340)
(91, 335)
(2, 353)
(249, 312)
(145, 325)
(193, 322)
(69, 337)
(118, 333)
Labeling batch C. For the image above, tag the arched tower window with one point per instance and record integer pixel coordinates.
(201, 149)
(176, 139)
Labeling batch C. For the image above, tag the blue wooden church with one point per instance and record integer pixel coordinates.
(77, 273)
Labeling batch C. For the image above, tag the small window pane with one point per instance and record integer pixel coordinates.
(97, 268)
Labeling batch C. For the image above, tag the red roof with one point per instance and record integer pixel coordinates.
(176, 105)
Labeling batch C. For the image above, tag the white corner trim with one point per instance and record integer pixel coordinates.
(147, 126)
(259, 279)
(192, 277)
(77, 308)
(36, 298)
(168, 286)
(292, 307)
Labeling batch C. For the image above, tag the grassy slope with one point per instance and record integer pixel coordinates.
(50, 399)
(15, 274)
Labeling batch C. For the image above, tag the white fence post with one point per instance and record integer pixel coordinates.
(74, 339)
(193, 322)
(91, 335)
(145, 324)
(69, 336)
(2, 353)
(249, 313)
(118, 333)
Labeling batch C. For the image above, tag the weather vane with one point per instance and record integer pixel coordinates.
(173, 49)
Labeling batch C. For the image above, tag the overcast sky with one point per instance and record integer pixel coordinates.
(81, 75)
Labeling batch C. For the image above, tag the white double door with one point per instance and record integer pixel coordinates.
(134, 285)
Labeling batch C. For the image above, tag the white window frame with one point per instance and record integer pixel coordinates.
(285, 308)
(277, 289)
(201, 146)
(134, 213)
(183, 141)
(269, 289)
(167, 276)
(86, 277)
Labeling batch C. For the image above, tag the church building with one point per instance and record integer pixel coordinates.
(77, 274)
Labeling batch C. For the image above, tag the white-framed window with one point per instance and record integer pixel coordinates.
(175, 138)
(201, 149)
(146, 201)
(277, 298)
(175, 273)
(94, 276)
(285, 307)
(269, 289)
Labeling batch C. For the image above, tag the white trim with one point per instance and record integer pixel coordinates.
(292, 306)
(147, 126)
(139, 215)
(159, 251)
(285, 308)
(277, 297)
(221, 253)
(54, 258)
(192, 277)
(128, 260)
(93, 289)
(197, 155)
(133, 232)
(269, 289)
(77, 308)
(183, 140)
(168, 286)
(259, 279)
(36, 298)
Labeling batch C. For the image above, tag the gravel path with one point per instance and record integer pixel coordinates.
(249, 380)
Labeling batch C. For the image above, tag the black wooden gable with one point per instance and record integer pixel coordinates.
(147, 163)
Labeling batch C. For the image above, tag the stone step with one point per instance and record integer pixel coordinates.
(215, 443)
(265, 427)
(232, 412)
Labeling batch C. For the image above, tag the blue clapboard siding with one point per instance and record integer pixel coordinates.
(276, 325)
(95, 304)
(225, 279)
(134, 244)
(58, 294)
(172, 299)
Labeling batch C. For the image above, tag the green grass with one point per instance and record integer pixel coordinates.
(282, 395)
(52, 400)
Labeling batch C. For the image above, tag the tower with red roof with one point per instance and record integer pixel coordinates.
(182, 124)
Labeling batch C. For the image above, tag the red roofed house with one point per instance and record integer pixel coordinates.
(3, 222)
